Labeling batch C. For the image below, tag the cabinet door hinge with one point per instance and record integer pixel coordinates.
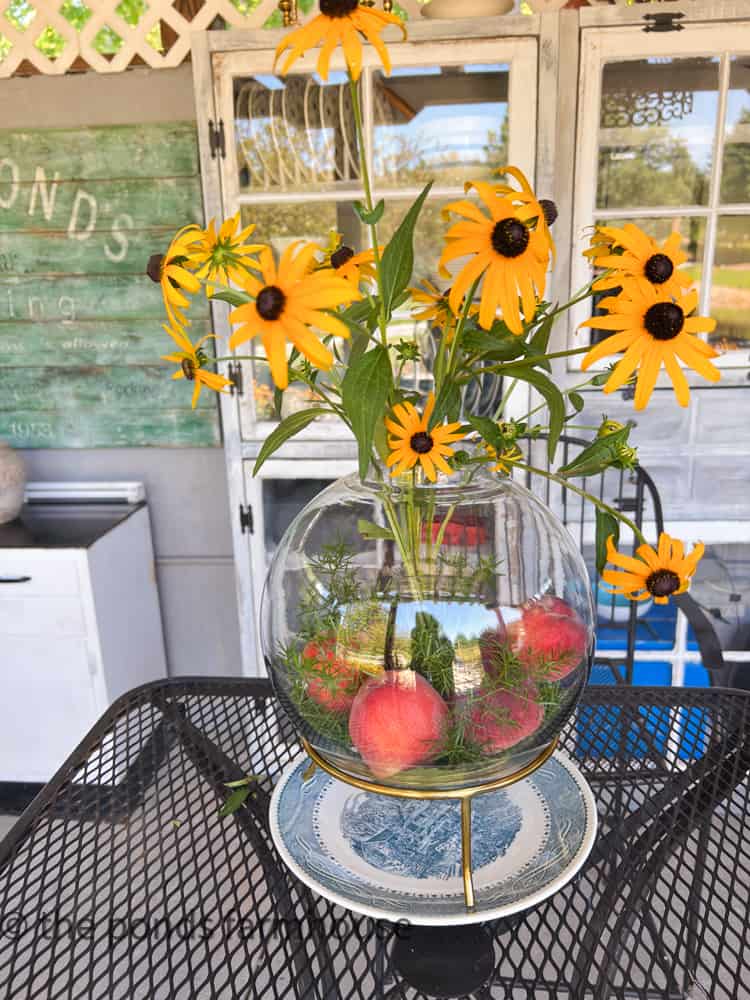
(663, 21)
(246, 518)
(216, 139)
(234, 372)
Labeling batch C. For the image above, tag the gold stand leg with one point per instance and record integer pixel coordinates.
(466, 852)
(464, 794)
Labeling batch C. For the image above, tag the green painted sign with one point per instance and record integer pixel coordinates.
(81, 211)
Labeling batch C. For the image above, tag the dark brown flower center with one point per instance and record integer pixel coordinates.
(421, 442)
(662, 583)
(188, 368)
(664, 320)
(658, 269)
(270, 302)
(341, 257)
(550, 210)
(338, 8)
(153, 268)
(510, 238)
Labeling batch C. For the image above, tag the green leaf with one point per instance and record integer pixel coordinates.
(278, 399)
(447, 403)
(488, 429)
(292, 425)
(233, 297)
(577, 401)
(493, 345)
(554, 400)
(364, 394)
(540, 340)
(397, 262)
(234, 802)
(368, 529)
(606, 525)
(597, 456)
(370, 218)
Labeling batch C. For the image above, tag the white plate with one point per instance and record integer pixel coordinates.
(400, 859)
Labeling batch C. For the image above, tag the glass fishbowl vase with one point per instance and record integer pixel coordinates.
(428, 636)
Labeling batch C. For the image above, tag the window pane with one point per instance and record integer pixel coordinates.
(294, 133)
(449, 123)
(730, 287)
(656, 131)
(280, 224)
(735, 174)
(692, 232)
(429, 235)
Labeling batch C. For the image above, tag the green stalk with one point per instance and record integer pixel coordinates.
(357, 112)
(587, 496)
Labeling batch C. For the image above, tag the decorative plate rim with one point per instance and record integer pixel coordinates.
(478, 916)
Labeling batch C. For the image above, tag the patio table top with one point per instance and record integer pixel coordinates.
(122, 879)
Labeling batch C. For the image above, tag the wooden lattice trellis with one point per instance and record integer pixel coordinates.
(28, 24)
(57, 36)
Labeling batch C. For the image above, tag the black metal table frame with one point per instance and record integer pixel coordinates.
(674, 814)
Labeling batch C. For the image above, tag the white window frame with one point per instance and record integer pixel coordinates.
(519, 53)
(601, 45)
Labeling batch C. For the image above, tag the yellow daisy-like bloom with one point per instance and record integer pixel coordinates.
(412, 442)
(504, 458)
(288, 301)
(654, 329)
(192, 360)
(220, 257)
(169, 271)
(642, 257)
(432, 306)
(341, 22)
(351, 266)
(511, 248)
(657, 573)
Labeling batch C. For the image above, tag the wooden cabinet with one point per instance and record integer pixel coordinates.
(79, 625)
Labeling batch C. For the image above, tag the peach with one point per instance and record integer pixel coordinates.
(397, 721)
(500, 719)
(550, 645)
(332, 682)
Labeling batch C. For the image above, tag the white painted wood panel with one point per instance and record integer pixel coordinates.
(41, 616)
(49, 572)
(47, 706)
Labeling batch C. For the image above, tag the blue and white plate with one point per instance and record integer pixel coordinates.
(397, 859)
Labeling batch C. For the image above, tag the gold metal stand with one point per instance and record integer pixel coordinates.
(465, 795)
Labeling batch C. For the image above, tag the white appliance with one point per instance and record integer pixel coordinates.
(80, 621)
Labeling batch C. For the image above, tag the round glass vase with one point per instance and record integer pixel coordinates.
(428, 636)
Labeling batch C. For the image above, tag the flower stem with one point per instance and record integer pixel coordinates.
(586, 496)
(365, 172)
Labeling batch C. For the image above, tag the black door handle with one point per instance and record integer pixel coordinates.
(15, 579)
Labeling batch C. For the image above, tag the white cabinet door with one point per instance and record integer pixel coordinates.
(47, 704)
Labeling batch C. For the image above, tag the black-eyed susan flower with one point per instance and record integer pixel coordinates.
(351, 266)
(432, 307)
(510, 249)
(653, 329)
(288, 301)
(631, 253)
(413, 442)
(223, 257)
(340, 22)
(504, 458)
(192, 361)
(656, 573)
(170, 271)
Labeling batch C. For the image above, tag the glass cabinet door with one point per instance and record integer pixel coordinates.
(664, 142)
(293, 162)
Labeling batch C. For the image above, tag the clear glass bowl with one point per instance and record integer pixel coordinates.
(428, 636)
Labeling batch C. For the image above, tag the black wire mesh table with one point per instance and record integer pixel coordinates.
(122, 880)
